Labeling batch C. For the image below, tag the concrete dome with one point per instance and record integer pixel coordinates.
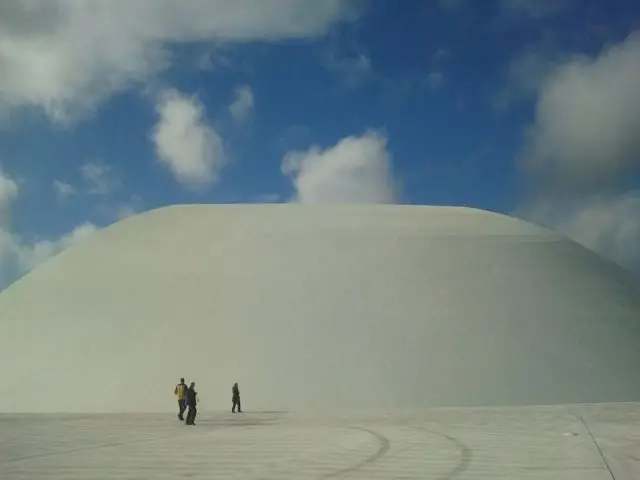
(320, 306)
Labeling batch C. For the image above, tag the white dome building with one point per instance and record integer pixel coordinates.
(313, 307)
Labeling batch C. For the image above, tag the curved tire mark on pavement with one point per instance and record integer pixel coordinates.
(466, 453)
(99, 446)
(384, 446)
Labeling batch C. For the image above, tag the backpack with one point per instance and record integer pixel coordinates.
(180, 391)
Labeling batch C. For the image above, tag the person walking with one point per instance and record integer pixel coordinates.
(180, 392)
(191, 399)
(235, 398)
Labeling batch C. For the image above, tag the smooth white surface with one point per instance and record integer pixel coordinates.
(589, 442)
(320, 307)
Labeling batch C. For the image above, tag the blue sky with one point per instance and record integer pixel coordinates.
(524, 107)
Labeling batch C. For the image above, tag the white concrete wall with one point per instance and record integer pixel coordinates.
(310, 307)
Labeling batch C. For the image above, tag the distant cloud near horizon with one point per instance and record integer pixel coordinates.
(605, 223)
(18, 254)
(582, 145)
(357, 169)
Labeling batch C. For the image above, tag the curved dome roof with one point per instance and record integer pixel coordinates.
(320, 306)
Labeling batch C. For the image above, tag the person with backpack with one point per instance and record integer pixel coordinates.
(180, 392)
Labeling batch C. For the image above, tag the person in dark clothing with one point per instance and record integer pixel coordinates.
(180, 392)
(191, 399)
(235, 398)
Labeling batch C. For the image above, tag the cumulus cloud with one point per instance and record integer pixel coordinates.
(606, 223)
(242, 104)
(30, 255)
(185, 141)
(583, 142)
(588, 117)
(355, 170)
(66, 56)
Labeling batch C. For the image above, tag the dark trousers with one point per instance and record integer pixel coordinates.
(182, 406)
(236, 403)
(191, 415)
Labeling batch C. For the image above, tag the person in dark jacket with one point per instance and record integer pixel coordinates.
(191, 399)
(180, 391)
(235, 398)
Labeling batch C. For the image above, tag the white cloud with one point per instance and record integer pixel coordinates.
(67, 56)
(99, 178)
(588, 117)
(584, 139)
(355, 170)
(8, 248)
(27, 255)
(8, 193)
(606, 223)
(242, 104)
(185, 142)
(63, 189)
(30, 256)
